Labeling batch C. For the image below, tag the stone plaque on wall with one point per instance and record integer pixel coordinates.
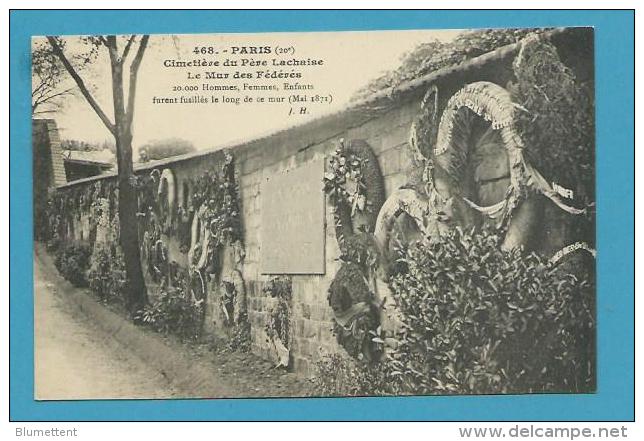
(292, 221)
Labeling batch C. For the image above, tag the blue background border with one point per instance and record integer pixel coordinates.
(614, 43)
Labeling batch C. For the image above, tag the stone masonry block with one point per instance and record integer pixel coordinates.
(302, 366)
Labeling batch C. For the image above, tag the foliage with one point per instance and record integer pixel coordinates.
(433, 55)
(348, 288)
(84, 146)
(47, 74)
(557, 124)
(240, 338)
(227, 294)
(72, 262)
(280, 288)
(362, 250)
(57, 215)
(342, 376)
(218, 190)
(353, 182)
(46, 220)
(482, 320)
(355, 314)
(174, 312)
(106, 275)
(165, 148)
(278, 321)
(357, 336)
(344, 181)
(479, 320)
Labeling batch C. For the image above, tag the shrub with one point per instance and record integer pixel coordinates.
(72, 261)
(174, 312)
(558, 123)
(482, 320)
(342, 376)
(240, 336)
(106, 275)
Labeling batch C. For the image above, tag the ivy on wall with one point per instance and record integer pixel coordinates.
(179, 305)
(279, 317)
(278, 327)
(218, 193)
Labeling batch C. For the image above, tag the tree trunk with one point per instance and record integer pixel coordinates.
(128, 207)
(129, 235)
(121, 129)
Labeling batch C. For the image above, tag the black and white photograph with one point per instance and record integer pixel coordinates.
(314, 214)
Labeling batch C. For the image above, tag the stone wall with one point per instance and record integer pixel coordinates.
(48, 168)
(312, 324)
(384, 124)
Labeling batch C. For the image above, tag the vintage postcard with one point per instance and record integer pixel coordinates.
(314, 214)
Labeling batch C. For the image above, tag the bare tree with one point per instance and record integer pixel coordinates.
(121, 130)
(46, 77)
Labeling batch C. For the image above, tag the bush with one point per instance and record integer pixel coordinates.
(342, 376)
(175, 312)
(479, 320)
(482, 320)
(72, 261)
(106, 275)
(558, 126)
(240, 336)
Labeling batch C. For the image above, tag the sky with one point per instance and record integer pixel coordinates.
(351, 60)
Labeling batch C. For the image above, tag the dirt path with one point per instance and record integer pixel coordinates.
(76, 359)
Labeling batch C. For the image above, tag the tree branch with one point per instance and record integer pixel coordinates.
(134, 70)
(110, 43)
(81, 85)
(45, 98)
(128, 45)
(117, 82)
(43, 83)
